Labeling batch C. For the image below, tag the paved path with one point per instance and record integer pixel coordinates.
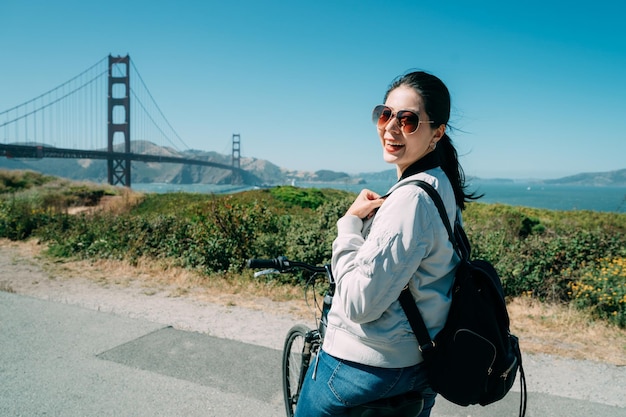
(60, 360)
(63, 360)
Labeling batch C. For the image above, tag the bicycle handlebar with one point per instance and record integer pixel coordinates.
(276, 263)
(282, 264)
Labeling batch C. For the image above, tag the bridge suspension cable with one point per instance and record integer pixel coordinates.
(157, 108)
(70, 114)
(57, 87)
(50, 103)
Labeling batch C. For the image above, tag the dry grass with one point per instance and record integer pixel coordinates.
(122, 202)
(542, 328)
(564, 331)
(160, 276)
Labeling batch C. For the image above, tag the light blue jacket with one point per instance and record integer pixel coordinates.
(404, 243)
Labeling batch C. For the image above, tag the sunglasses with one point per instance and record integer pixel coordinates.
(407, 120)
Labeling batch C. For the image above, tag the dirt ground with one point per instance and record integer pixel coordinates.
(187, 301)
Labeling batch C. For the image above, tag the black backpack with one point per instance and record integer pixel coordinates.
(474, 359)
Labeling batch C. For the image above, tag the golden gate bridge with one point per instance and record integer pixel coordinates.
(77, 118)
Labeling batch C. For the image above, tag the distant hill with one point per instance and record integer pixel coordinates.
(261, 172)
(596, 179)
(390, 176)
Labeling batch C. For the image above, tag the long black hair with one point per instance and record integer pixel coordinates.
(436, 99)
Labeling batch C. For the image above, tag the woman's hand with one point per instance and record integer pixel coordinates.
(365, 204)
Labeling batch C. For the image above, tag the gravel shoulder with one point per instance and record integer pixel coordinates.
(258, 320)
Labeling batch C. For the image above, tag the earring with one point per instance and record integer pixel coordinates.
(433, 145)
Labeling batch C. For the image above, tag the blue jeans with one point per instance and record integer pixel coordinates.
(340, 385)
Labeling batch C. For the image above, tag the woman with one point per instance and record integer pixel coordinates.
(383, 244)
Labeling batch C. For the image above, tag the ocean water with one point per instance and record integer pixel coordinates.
(555, 197)
(527, 194)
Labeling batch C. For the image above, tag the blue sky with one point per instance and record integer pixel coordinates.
(538, 87)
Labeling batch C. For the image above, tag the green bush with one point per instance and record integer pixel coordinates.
(21, 217)
(228, 233)
(540, 251)
(602, 289)
(17, 180)
(219, 235)
(85, 236)
(301, 197)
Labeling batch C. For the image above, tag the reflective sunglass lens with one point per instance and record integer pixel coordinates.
(381, 115)
(408, 121)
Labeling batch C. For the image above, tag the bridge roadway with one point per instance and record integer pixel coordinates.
(38, 152)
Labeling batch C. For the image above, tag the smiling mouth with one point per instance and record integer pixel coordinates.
(393, 145)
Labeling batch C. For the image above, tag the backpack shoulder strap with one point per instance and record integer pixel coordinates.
(416, 321)
(434, 195)
(457, 236)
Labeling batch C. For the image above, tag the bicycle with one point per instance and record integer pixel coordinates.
(302, 345)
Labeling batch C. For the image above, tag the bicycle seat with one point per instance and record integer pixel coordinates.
(409, 404)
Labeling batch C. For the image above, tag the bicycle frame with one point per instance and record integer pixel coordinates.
(402, 405)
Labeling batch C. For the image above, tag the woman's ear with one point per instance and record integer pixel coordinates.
(438, 133)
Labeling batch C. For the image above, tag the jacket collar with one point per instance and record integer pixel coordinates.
(430, 161)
